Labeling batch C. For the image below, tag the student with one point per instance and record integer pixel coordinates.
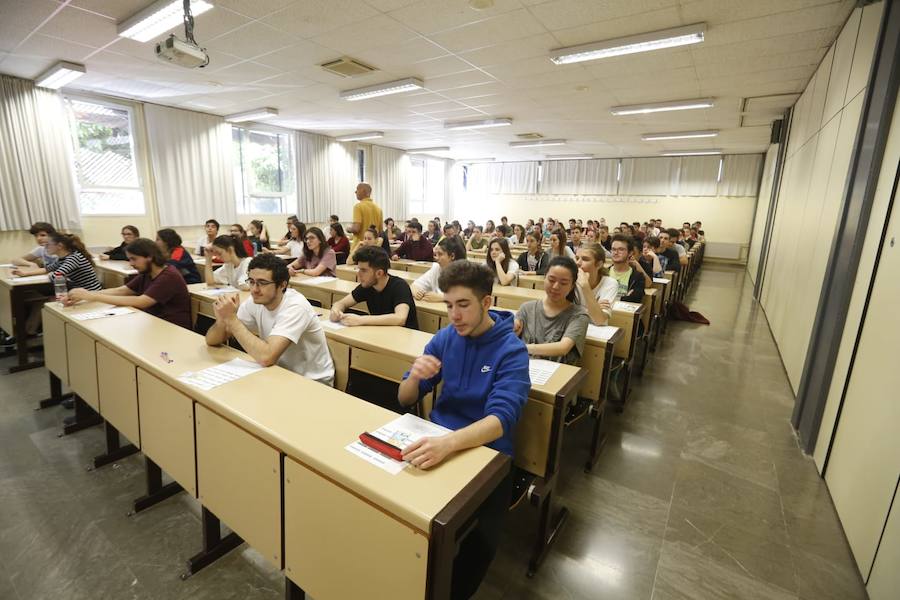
(258, 236)
(337, 241)
(389, 298)
(235, 263)
(212, 232)
(595, 290)
(605, 240)
(518, 235)
(38, 261)
(157, 289)
(275, 325)
(75, 262)
(668, 256)
(433, 233)
(477, 241)
(391, 231)
(489, 227)
(534, 261)
(370, 238)
(499, 260)
(365, 214)
(287, 235)
(237, 231)
(317, 258)
(555, 327)
(129, 234)
(558, 246)
(294, 245)
(449, 231)
(577, 240)
(649, 261)
(628, 274)
(333, 219)
(415, 246)
(169, 243)
(484, 370)
(425, 287)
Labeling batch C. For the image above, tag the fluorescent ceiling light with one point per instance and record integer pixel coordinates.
(632, 44)
(158, 18)
(60, 74)
(679, 135)
(502, 122)
(429, 150)
(384, 89)
(639, 109)
(709, 152)
(252, 115)
(534, 143)
(477, 160)
(568, 156)
(355, 137)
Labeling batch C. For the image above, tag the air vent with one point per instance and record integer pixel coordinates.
(529, 136)
(347, 67)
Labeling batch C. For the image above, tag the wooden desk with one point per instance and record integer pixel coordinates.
(413, 266)
(349, 273)
(14, 298)
(247, 451)
(114, 273)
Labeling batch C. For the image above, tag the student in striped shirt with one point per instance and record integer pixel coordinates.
(75, 262)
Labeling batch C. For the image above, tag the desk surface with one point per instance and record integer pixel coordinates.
(122, 267)
(310, 422)
(7, 279)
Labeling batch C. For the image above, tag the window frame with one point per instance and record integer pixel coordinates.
(244, 198)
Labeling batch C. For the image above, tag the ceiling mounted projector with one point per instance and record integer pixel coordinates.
(185, 53)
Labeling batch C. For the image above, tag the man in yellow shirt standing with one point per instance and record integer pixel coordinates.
(365, 214)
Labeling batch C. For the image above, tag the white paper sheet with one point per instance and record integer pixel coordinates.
(541, 370)
(318, 280)
(99, 314)
(401, 432)
(661, 280)
(7, 266)
(626, 306)
(376, 458)
(329, 324)
(212, 377)
(603, 332)
(31, 279)
(222, 290)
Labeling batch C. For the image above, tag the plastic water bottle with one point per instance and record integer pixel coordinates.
(60, 288)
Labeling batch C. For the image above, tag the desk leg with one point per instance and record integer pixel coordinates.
(156, 491)
(84, 417)
(56, 395)
(214, 545)
(598, 438)
(114, 449)
(20, 317)
(292, 591)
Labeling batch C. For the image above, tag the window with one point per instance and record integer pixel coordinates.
(264, 171)
(361, 164)
(426, 187)
(105, 166)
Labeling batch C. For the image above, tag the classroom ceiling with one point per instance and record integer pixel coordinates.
(475, 64)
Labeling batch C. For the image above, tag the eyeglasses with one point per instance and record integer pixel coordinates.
(259, 282)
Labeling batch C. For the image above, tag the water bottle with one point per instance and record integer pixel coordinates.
(60, 288)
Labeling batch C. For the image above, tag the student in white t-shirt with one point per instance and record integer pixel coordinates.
(276, 325)
(595, 290)
(425, 287)
(235, 263)
(38, 261)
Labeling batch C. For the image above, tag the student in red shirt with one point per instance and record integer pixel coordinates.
(237, 231)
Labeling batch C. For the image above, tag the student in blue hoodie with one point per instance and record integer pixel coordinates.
(484, 368)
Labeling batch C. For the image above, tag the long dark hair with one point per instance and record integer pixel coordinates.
(454, 247)
(170, 238)
(338, 230)
(323, 246)
(507, 255)
(260, 232)
(229, 241)
(301, 227)
(134, 230)
(71, 243)
(560, 234)
(568, 264)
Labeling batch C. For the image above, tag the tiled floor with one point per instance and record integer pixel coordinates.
(701, 492)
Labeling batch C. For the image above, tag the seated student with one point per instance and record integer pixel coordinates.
(534, 261)
(489, 227)
(75, 262)
(676, 244)
(499, 260)
(38, 262)
(604, 239)
(389, 298)
(595, 290)
(391, 231)
(294, 244)
(157, 289)
(558, 246)
(649, 261)
(275, 325)
(415, 246)
(317, 258)
(425, 287)
(369, 238)
(332, 219)
(477, 241)
(129, 234)
(629, 275)
(258, 236)
(212, 232)
(287, 236)
(237, 231)
(518, 235)
(169, 242)
(235, 263)
(668, 257)
(338, 240)
(433, 234)
(577, 240)
(484, 370)
(556, 326)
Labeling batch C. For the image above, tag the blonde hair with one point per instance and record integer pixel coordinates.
(599, 254)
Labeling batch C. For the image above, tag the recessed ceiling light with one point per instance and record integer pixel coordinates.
(429, 150)
(383, 89)
(568, 156)
(60, 74)
(481, 123)
(632, 44)
(638, 109)
(691, 152)
(679, 135)
(533, 143)
(158, 18)
(355, 137)
(257, 114)
(481, 4)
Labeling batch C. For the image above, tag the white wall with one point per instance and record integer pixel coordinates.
(763, 206)
(726, 219)
(819, 147)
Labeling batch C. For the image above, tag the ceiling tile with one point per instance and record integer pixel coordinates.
(20, 21)
(376, 31)
(614, 28)
(771, 26)
(564, 14)
(117, 11)
(295, 56)
(48, 47)
(252, 40)
(82, 27)
(431, 16)
(400, 55)
(255, 9)
(310, 18)
(509, 26)
(512, 51)
(27, 67)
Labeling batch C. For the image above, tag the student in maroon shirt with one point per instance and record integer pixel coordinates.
(158, 288)
(416, 247)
